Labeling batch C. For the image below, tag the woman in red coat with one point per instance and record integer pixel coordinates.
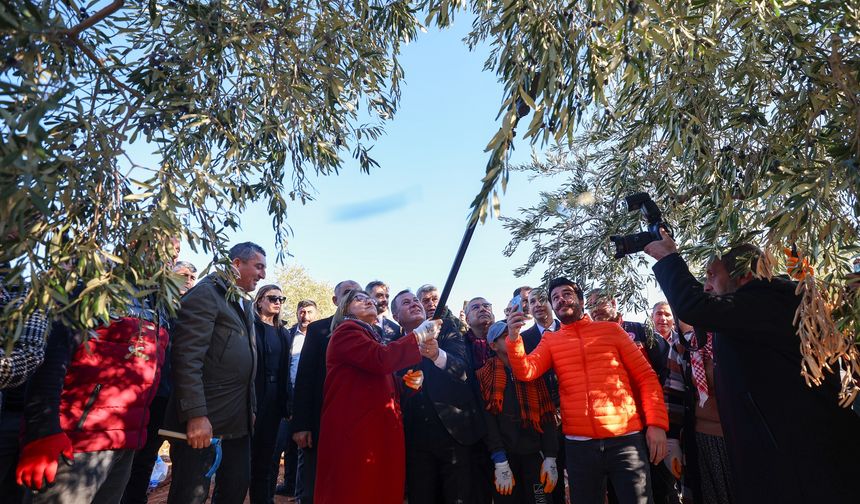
(361, 454)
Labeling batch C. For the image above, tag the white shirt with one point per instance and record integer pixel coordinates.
(542, 329)
(295, 354)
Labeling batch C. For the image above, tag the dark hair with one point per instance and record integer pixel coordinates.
(558, 282)
(340, 285)
(373, 284)
(276, 320)
(304, 303)
(394, 299)
(540, 292)
(519, 290)
(741, 259)
(245, 251)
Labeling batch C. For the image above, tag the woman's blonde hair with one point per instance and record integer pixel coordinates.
(342, 312)
(264, 290)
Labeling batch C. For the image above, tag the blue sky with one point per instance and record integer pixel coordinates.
(403, 223)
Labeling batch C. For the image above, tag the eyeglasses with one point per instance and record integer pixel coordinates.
(486, 306)
(361, 298)
(276, 299)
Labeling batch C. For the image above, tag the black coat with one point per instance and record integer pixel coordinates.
(656, 347)
(787, 442)
(452, 391)
(284, 385)
(310, 378)
(531, 338)
(506, 432)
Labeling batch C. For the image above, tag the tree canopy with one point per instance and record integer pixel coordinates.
(297, 284)
(238, 101)
(739, 117)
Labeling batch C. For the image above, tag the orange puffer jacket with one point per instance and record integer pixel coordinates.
(601, 373)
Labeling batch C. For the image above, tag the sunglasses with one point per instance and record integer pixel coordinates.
(276, 299)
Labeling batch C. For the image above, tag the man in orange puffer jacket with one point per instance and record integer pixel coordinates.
(601, 374)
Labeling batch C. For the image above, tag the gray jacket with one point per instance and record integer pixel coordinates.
(214, 360)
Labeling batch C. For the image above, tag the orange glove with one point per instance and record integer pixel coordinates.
(413, 379)
(39, 460)
(797, 268)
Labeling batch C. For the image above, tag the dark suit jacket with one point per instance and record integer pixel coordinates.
(310, 378)
(787, 442)
(389, 331)
(214, 359)
(450, 390)
(531, 338)
(656, 347)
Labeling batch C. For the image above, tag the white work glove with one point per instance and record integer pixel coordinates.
(428, 330)
(549, 474)
(674, 457)
(504, 478)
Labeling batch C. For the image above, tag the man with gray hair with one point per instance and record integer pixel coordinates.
(214, 366)
(428, 295)
(187, 271)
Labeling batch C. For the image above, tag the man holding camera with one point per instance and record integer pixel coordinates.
(786, 442)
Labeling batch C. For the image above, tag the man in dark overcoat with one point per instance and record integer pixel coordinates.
(787, 442)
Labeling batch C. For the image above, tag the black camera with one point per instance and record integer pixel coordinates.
(632, 243)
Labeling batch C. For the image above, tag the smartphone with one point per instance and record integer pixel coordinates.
(516, 303)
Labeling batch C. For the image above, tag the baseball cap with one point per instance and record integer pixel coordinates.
(496, 331)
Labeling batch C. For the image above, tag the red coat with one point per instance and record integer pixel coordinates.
(362, 455)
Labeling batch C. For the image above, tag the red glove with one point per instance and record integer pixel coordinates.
(39, 460)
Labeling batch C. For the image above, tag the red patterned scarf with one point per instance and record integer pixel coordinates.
(533, 396)
(697, 358)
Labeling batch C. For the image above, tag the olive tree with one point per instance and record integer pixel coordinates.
(739, 117)
(230, 102)
(297, 285)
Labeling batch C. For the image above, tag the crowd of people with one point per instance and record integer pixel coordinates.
(395, 398)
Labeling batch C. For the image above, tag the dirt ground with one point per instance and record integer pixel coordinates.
(159, 494)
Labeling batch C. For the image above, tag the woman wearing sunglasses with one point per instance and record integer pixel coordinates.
(272, 387)
(361, 454)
